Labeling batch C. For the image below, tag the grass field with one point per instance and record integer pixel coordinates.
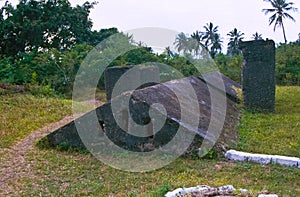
(276, 133)
(20, 114)
(56, 173)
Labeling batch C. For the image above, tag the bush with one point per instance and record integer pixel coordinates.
(230, 66)
(47, 72)
(50, 71)
(288, 64)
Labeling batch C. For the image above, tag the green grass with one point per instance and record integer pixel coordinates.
(20, 114)
(57, 173)
(73, 174)
(274, 133)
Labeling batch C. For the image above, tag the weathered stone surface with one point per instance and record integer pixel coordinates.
(237, 156)
(175, 98)
(141, 73)
(263, 158)
(141, 100)
(67, 135)
(243, 156)
(258, 78)
(286, 161)
(111, 76)
(203, 190)
(229, 85)
(267, 195)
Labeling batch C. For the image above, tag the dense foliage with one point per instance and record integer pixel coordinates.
(48, 69)
(33, 25)
(230, 66)
(43, 43)
(288, 64)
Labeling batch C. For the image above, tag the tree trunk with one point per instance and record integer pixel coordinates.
(285, 41)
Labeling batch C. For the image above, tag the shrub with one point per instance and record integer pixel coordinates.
(288, 64)
(230, 66)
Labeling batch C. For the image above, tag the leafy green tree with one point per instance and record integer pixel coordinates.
(50, 68)
(97, 36)
(235, 37)
(288, 64)
(230, 66)
(58, 69)
(136, 56)
(35, 25)
(182, 65)
(279, 11)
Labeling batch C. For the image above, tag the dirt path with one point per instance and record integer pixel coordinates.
(14, 166)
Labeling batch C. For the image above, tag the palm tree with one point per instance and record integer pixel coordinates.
(257, 36)
(189, 44)
(235, 38)
(197, 36)
(168, 52)
(213, 42)
(216, 45)
(209, 33)
(279, 11)
(196, 42)
(182, 43)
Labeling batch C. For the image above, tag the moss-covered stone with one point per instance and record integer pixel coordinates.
(258, 77)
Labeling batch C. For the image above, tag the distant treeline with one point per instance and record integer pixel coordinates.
(43, 43)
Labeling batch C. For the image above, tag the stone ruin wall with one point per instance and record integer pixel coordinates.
(258, 76)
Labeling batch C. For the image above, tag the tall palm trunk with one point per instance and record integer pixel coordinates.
(283, 30)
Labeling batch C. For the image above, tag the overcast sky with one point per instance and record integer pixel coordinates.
(191, 15)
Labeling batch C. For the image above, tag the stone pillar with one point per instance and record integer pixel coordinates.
(143, 73)
(258, 77)
(111, 76)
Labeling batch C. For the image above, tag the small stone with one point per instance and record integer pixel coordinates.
(267, 195)
(244, 192)
(227, 187)
(183, 191)
(226, 190)
(174, 193)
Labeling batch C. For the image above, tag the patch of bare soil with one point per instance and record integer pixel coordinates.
(14, 166)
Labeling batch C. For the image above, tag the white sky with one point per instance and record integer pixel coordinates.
(191, 15)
